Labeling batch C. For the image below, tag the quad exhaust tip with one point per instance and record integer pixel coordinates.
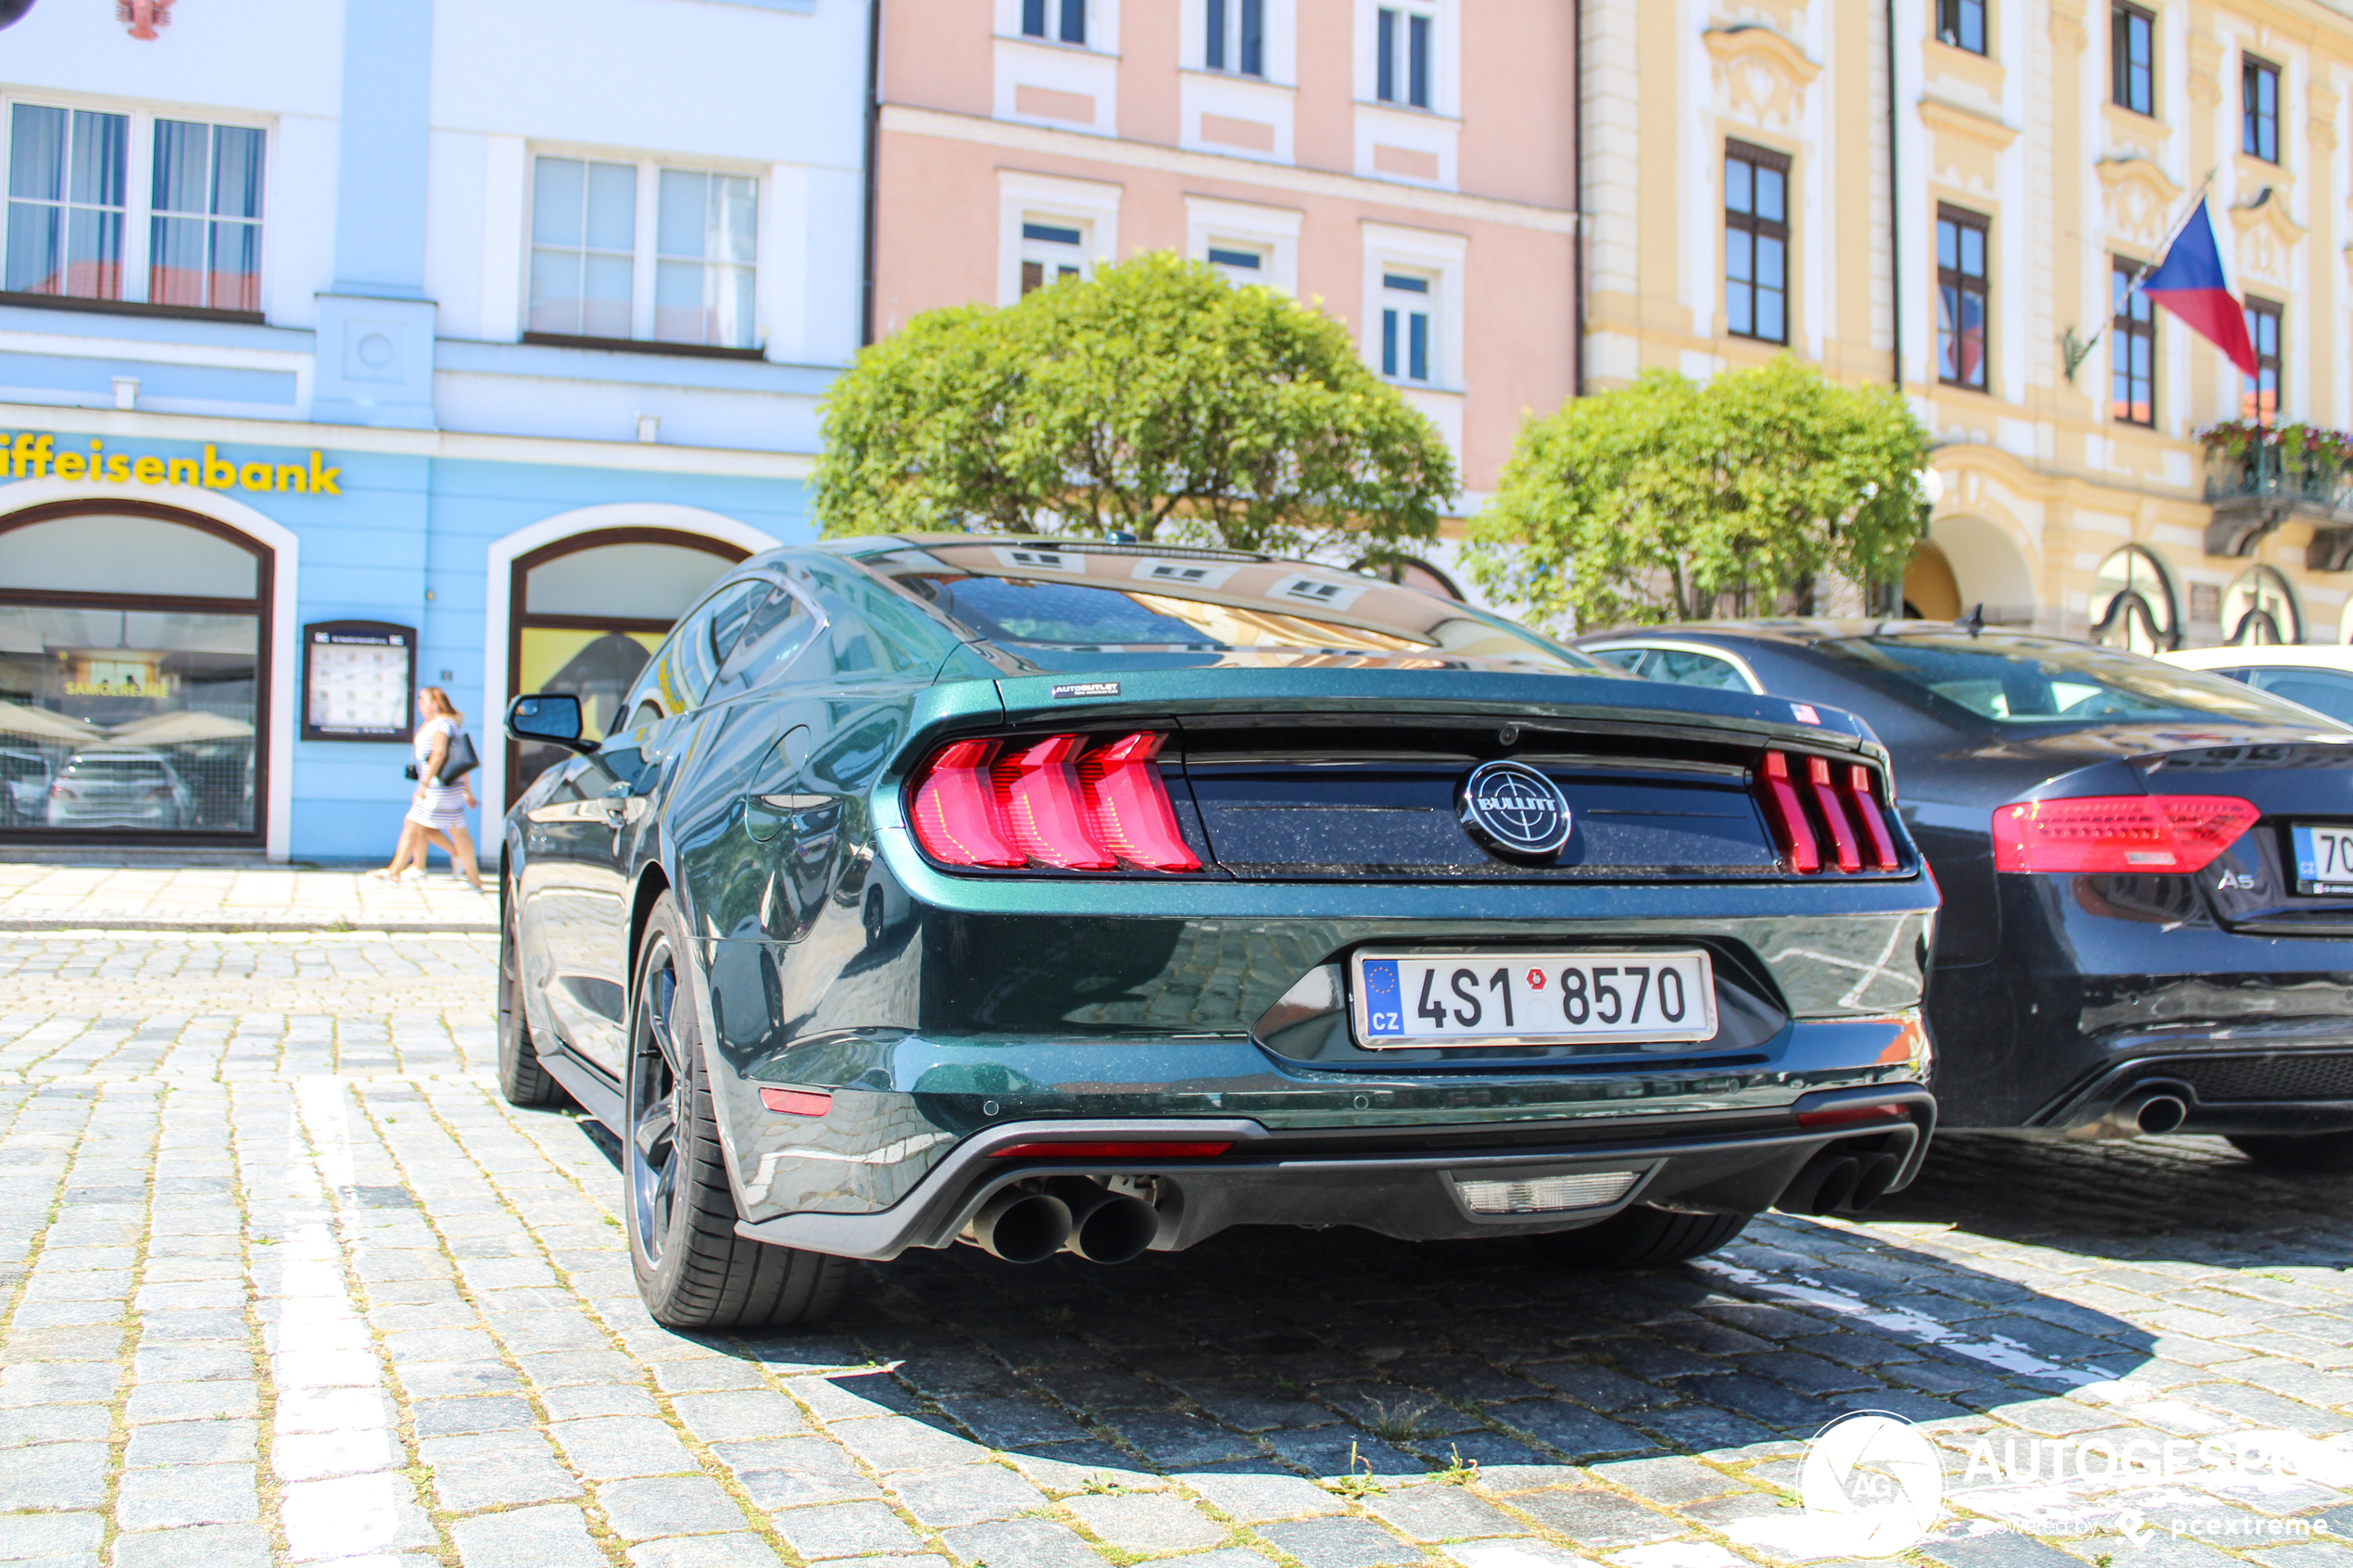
(1836, 1183)
(1078, 1217)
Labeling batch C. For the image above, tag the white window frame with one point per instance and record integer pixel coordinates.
(644, 259)
(1102, 26)
(1445, 55)
(1055, 259)
(1423, 253)
(138, 209)
(1281, 40)
(1087, 206)
(1272, 232)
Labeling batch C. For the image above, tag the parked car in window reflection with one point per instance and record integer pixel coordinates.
(120, 789)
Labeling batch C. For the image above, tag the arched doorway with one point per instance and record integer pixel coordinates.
(1987, 568)
(588, 612)
(2134, 603)
(2260, 605)
(1931, 591)
(135, 669)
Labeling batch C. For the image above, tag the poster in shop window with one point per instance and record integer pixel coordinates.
(360, 681)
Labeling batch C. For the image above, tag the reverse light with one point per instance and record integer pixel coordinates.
(1157, 1149)
(1792, 832)
(2164, 833)
(1050, 802)
(1127, 805)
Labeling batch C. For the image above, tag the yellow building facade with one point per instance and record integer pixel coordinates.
(1750, 188)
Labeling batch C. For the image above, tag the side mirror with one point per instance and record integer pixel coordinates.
(548, 718)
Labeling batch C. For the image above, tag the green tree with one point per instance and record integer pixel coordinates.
(1154, 399)
(1672, 500)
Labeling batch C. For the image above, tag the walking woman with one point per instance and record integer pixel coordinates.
(437, 812)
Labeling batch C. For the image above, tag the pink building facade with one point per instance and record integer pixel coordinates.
(1409, 165)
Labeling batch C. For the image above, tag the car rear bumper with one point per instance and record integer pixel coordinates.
(1396, 1185)
(2288, 1078)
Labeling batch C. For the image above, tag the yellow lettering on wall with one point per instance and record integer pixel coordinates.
(291, 476)
(69, 465)
(148, 470)
(184, 471)
(257, 476)
(30, 454)
(118, 468)
(218, 475)
(323, 480)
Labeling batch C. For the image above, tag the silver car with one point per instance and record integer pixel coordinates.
(24, 786)
(120, 789)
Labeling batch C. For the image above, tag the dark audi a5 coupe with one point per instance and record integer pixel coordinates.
(2147, 872)
(1093, 897)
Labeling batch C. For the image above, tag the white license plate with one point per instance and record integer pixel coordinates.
(1418, 1000)
(2323, 858)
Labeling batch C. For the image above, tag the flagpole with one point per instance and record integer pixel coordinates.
(2077, 354)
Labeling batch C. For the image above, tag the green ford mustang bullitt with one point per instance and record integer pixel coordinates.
(1049, 896)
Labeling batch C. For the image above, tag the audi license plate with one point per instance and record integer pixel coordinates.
(1417, 1000)
(2323, 857)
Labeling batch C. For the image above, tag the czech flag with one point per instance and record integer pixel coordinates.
(2190, 284)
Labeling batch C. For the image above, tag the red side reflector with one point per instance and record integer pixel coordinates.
(1037, 793)
(2165, 834)
(1842, 1115)
(1787, 818)
(1110, 1151)
(1817, 774)
(1862, 787)
(796, 1102)
(1127, 805)
(956, 818)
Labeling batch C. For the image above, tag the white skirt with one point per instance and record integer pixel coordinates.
(444, 808)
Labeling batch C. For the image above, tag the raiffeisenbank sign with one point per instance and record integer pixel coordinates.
(33, 456)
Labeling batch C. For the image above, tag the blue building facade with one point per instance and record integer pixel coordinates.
(351, 348)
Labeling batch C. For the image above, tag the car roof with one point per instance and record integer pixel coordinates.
(1789, 632)
(2265, 656)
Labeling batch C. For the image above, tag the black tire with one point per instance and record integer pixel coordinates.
(521, 1077)
(1642, 1238)
(2314, 1153)
(679, 1207)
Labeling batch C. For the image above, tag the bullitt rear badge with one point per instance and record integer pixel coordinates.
(1515, 810)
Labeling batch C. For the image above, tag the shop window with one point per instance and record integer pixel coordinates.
(133, 676)
(2134, 604)
(625, 251)
(587, 613)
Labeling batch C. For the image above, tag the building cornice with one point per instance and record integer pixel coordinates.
(449, 446)
(907, 121)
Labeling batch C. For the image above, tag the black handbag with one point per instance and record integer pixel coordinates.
(460, 758)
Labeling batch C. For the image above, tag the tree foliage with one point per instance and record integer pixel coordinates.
(1154, 399)
(1672, 500)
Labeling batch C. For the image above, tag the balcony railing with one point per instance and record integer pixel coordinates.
(2267, 471)
(2256, 489)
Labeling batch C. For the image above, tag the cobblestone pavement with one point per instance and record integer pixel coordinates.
(256, 896)
(281, 1280)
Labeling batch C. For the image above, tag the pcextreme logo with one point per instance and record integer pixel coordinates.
(32, 454)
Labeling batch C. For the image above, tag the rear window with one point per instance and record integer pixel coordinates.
(2021, 680)
(116, 769)
(1067, 607)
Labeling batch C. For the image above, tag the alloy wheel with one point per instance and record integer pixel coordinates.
(658, 1090)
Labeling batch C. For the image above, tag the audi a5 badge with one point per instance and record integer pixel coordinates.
(1515, 810)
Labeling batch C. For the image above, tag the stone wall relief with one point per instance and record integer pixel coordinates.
(1761, 77)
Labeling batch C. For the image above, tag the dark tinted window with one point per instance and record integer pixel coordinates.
(2326, 691)
(773, 638)
(677, 677)
(2021, 680)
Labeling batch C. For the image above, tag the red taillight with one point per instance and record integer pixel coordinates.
(796, 1102)
(1110, 1151)
(1817, 774)
(2166, 833)
(1049, 802)
(955, 811)
(1127, 805)
(1038, 796)
(1863, 788)
(1791, 830)
(1846, 827)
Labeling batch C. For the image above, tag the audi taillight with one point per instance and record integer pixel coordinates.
(1050, 802)
(2166, 834)
(1827, 815)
